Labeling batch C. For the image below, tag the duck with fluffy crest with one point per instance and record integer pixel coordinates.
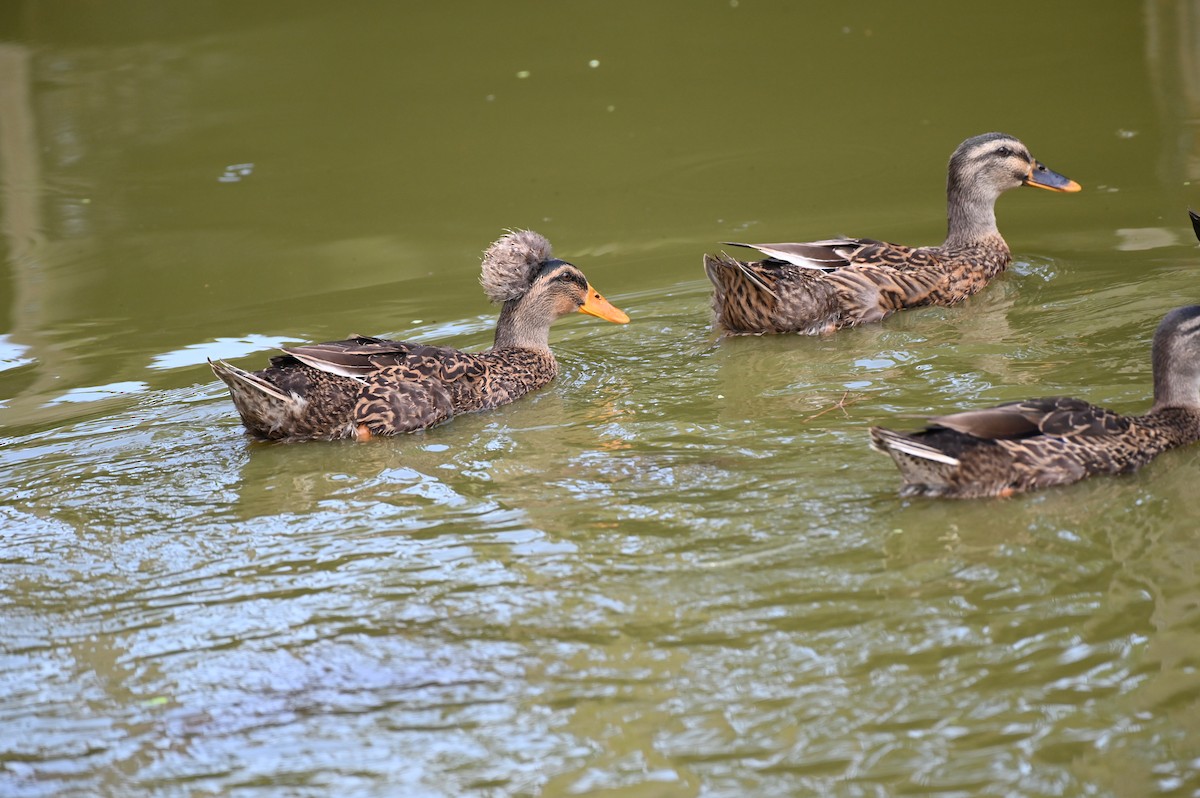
(1022, 446)
(821, 286)
(363, 386)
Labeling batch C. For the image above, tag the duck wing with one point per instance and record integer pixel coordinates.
(405, 386)
(362, 355)
(1060, 417)
(825, 256)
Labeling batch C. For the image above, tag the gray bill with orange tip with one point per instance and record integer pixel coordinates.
(1048, 179)
(598, 306)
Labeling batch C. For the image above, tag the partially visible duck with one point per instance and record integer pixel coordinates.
(821, 286)
(364, 386)
(1022, 446)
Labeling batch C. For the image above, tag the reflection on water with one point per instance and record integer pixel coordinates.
(98, 392)
(678, 570)
(12, 354)
(1133, 239)
(220, 349)
(1171, 33)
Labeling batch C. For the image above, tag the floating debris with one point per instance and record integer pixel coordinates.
(235, 172)
(840, 404)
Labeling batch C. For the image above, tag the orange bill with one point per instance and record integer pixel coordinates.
(598, 306)
(1041, 177)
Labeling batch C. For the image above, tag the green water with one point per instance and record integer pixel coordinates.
(678, 570)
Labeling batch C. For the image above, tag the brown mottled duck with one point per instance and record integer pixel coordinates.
(1037, 443)
(822, 286)
(363, 386)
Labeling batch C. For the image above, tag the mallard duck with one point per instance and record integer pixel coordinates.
(1022, 446)
(364, 386)
(821, 286)
(1195, 222)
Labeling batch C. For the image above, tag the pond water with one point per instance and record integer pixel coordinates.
(676, 571)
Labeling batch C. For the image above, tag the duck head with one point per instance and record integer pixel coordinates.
(536, 288)
(995, 162)
(981, 169)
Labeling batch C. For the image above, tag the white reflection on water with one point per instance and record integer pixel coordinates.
(221, 348)
(12, 354)
(96, 393)
(1139, 238)
(240, 346)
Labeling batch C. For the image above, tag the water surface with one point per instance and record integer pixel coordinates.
(677, 571)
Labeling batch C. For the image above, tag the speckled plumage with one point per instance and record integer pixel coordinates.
(1021, 446)
(367, 386)
(820, 286)
(511, 262)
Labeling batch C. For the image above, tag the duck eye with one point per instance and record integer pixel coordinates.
(1004, 152)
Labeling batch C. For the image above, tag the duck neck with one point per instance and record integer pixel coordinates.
(970, 216)
(1176, 373)
(517, 328)
(1169, 391)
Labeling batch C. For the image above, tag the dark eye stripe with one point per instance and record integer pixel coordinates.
(560, 270)
(1024, 156)
(572, 276)
(1191, 326)
(547, 266)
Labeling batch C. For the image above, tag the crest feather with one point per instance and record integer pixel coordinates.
(510, 263)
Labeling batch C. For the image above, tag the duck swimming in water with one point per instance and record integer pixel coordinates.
(363, 386)
(822, 286)
(1021, 446)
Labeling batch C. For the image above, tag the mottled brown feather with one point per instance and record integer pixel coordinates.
(820, 286)
(1021, 446)
(338, 389)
